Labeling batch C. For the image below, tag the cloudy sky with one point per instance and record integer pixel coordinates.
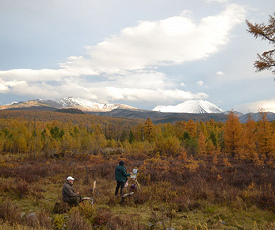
(139, 52)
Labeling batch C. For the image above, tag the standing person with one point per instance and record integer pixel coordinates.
(121, 177)
(68, 193)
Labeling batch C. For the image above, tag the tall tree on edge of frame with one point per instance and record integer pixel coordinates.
(266, 60)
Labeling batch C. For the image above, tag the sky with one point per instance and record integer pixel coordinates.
(140, 53)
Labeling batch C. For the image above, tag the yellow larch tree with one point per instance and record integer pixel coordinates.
(249, 139)
(233, 132)
(148, 130)
(202, 144)
(191, 128)
(265, 140)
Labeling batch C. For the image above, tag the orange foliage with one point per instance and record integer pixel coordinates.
(54, 133)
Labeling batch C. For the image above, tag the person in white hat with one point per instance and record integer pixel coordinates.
(69, 195)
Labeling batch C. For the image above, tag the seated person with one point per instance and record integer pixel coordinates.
(68, 193)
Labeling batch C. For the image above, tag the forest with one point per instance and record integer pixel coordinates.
(192, 175)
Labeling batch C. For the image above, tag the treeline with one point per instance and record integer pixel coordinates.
(88, 134)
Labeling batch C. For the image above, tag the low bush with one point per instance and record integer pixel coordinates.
(78, 222)
(102, 216)
(40, 219)
(9, 212)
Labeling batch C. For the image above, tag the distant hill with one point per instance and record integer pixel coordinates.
(49, 116)
(256, 117)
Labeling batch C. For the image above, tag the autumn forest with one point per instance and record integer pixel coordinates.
(87, 134)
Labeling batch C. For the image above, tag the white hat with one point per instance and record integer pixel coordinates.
(70, 178)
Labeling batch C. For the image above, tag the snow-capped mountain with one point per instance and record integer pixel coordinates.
(190, 106)
(68, 102)
(84, 105)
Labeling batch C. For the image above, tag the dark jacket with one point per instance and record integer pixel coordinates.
(121, 174)
(68, 192)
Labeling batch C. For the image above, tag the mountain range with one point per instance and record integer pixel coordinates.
(190, 106)
(198, 110)
(67, 102)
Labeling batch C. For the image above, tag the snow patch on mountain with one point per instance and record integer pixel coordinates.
(85, 105)
(190, 106)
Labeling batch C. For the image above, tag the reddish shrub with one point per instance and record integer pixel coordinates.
(22, 188)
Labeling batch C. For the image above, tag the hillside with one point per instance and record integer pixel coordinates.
(75, 118)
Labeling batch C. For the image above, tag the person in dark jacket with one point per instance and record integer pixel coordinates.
(121, 177)
(69, 195)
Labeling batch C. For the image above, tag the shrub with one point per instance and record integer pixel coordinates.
(140, 197)
(7, 185)
(102, 216)
(36, 191)
(41, 219)
(263, 197)
(86, 209)
(61, 207)
(9, 212)
(22, 188)
(59, 221)
(78, 222)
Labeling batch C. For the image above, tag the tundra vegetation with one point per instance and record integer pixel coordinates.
(193, 175)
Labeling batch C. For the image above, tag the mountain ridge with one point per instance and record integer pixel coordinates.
(67, 102)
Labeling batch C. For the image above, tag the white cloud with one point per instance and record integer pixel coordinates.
(6, 86)
(219, 1)
(3, 87)
(144, 86)
(220, 73)
(182, 84)
(200, 83)
(142, 79)
(42, 90)
(266, 105)
(170, 41)
(36, 75)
